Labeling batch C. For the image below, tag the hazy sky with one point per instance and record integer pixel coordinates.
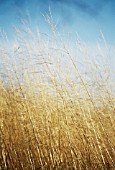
(86, 17)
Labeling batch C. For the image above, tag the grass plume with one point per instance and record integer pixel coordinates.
(56, 105)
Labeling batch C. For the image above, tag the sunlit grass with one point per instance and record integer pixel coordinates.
(56, 105)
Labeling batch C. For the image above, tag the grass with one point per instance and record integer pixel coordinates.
(56, 105)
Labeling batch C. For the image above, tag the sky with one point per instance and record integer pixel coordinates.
(86, 17)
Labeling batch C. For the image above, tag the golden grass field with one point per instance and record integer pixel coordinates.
(55, 113)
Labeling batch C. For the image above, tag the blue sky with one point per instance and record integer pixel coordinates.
(86, 17)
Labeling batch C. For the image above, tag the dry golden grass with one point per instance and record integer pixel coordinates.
(60, 118)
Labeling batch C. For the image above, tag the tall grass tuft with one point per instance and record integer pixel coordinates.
(56, 104)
